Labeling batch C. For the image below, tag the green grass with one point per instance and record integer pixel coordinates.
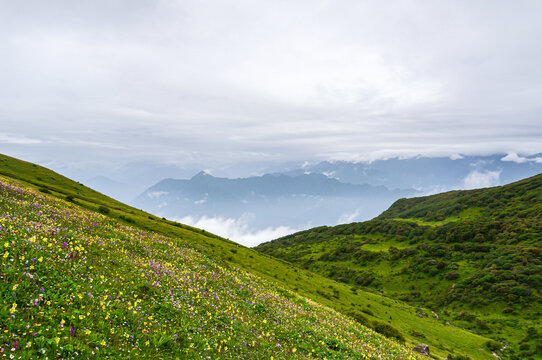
(345, 298)
(78, 284)
(469, 214)
(475, 257)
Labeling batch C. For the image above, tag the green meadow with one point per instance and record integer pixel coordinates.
(472, 257)
(134, 285)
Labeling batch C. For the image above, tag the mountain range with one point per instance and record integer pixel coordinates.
(268, 201)
(430, 175)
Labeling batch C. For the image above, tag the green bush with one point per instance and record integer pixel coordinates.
(492, 345)
(360, 318)
(452, 275)
(387, 330)
(103, 209)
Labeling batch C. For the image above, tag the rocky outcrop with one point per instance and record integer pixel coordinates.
(422, 349)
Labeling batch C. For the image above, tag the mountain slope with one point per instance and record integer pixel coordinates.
(372, 309)
(472, 256)
(75, 283)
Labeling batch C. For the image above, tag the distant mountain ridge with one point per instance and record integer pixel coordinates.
(271, 200)
(430, 174)
(266, 185)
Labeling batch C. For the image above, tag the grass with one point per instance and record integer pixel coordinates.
(315, 289)
(474, 257)
(78, 284)
(465, 215)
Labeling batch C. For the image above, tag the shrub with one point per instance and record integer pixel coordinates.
(45, 190)
(452, 275)
(482, 325)
(103, 209)
(417, 334)
(127, 219)
(367, 311)
(387, 330)
(360, 318)
(492, 345)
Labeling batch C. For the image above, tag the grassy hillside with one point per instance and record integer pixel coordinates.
(294, 285)
(75, 283)
(474, 257)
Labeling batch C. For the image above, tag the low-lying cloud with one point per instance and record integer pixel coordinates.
(481, 179)
(348, 217)
(513, 157)
(238, 230)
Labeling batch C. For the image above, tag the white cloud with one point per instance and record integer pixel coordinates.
(202, 201)
(481, 179)
(521, 159)
(221, 82)
(347, 218)
(515, 158)
(237, 230)
(156, 194)
(456, 157)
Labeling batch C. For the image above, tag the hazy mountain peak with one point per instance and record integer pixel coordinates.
(202, 174)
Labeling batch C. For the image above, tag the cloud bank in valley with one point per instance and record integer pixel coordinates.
(238, 230)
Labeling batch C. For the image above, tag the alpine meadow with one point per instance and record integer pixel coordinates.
(270, 180)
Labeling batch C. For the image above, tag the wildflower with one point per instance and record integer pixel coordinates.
(72, 331)
(13, 308)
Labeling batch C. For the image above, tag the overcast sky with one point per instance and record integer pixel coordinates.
(224, 82)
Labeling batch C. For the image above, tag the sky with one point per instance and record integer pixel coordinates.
(205, 84)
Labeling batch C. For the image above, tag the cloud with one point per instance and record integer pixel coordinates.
(481, 179)
(238, 230)
(347, 218)
(216, 83)
(156, 194)
(202, 201)
(456, 157)
(21, 140)
(513, 157)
